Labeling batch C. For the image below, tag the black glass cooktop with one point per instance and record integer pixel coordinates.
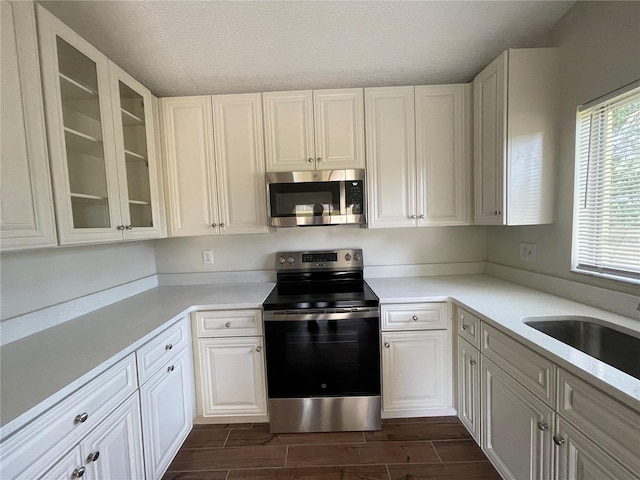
(320, 294)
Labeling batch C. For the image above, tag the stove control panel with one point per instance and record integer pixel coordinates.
(349, 259)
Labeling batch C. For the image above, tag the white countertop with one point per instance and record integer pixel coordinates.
(41, 369)
(35, 370)
(503, 304)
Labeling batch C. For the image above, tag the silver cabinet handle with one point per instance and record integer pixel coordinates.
(415, 318)
(558, 440)
(497, 212)
(81, 418)
(472, 362)
(214, 225)
(78, 472)
(129, 227)
(258, 349)
(311, 160)
(168, 346)
(319, 159)
(120, 227)
(543, 426)
(228, 324)
(93, 456)
(386, 345)
(170, 368)
(222, 225)
(465, 327)
(412, 217)
(422, 216)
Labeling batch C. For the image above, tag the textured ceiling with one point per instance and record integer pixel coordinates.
(207, 47)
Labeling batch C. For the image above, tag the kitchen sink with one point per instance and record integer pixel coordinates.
(606, 342)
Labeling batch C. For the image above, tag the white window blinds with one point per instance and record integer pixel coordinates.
(607, 209)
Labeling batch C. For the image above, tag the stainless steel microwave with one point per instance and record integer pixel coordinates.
(330, 197)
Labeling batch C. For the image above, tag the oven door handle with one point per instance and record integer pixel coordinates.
(302, 316)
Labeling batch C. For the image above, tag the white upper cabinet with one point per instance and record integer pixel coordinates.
(418, 155)
(314, 130)
(214, 187)
(515, 103)
(90, 107)
(26, 204)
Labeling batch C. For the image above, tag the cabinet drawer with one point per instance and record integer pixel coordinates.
(414, 316)
(604, 420)
(530, 369)
(153, 354)
(41, 443)
(468, 327)
(229, 323)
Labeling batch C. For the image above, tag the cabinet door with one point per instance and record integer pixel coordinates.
(578, 458)
(443, 154)
(339, 128)
(416, 374)
(137, 160)
(232, 376)
(516, 426)
(114, 449)
(79, 114)
(26, 203)
(490, 99)
(166, 403)
(189, 166)
(391, 156)
(240, 168)
(69, 467)
(288, 130)
(469, 387)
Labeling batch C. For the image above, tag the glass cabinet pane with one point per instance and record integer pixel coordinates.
(83, 138)
(136, 156)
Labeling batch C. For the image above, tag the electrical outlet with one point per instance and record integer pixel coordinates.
(207, 257)
(528, 252)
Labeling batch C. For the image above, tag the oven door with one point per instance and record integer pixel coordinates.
(323, 355)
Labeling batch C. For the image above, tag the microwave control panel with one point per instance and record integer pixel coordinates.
(354, 193)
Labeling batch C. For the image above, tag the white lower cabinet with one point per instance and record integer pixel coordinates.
(516, 426)
(468, 364)
(167, 414)
(234, 379)
(416, 365)
(230, 366)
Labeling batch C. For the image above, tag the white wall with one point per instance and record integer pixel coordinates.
(600, 52)
(405, 246)
(40, 278)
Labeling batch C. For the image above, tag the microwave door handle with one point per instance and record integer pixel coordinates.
(343, 200)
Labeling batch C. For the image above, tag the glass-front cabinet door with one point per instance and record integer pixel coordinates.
(135, 150)
(100, 126)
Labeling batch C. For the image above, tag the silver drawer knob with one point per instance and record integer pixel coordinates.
(120, 227)
(214, 225)
(422, 217)
(386, 345)
(412, 217)
(465, 327)
(258, 349)
(93, 456)
(168, 346)
(311, 160)
(129, 227)
(558, 440)
(472, 362)
(222, 225)
(319, 159)
(81, 418)
(170, 368)
(78, 472)
(228, 324)
(543, 426)
(415, 318)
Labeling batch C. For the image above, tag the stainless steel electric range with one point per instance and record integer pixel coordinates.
(322, 344)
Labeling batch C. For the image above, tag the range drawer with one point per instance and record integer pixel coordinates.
(229, 323)
(54, 432)
(414, 316)
(152, 355)
(468, 327)
(605, 421)
(532, 370)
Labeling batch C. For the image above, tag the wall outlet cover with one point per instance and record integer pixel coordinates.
(528, 252)
(207, 257)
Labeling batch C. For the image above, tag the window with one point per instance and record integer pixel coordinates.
(606, 233)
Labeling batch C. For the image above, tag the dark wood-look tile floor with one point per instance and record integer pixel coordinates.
(437, 448)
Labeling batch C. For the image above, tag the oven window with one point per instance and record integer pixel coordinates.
(311, 199)
(322, 358)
